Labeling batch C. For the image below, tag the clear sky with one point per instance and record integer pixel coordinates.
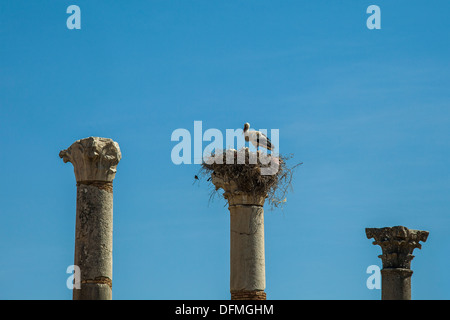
(366, 111)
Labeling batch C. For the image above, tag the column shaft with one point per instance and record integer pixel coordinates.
(247, 260)
(396, 284)
(93, 240)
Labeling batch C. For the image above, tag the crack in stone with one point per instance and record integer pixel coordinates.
(98, 280)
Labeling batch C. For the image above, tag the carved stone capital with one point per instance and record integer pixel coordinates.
(224, 182)
(93, 159)
(397, 244)
(233, 194)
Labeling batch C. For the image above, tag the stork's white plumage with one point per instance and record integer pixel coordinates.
(257, 138)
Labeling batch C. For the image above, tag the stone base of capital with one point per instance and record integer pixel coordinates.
(104, 185)
(248, 295)
(244, 199)
(396, 284)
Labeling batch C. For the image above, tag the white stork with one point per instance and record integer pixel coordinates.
(257, 138)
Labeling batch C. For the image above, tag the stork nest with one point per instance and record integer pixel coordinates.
(253, 173)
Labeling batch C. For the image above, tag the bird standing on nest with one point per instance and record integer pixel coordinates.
(257, 138)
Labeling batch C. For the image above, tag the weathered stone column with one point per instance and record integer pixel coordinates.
(397, 244)
(94, 160)
(247, 260)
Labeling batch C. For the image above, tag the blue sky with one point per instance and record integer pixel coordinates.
(366, 111)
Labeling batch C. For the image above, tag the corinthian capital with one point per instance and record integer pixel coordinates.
(93, 159)
(397, 244)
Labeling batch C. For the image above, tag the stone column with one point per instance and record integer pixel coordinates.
(397, 244)
(94, 160)
(247, 260)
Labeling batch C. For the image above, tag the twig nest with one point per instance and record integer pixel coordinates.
(254, 175)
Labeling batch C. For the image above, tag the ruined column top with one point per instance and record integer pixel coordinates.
(244, 199)
(93, 159)
(234, 194)
(397, 244)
